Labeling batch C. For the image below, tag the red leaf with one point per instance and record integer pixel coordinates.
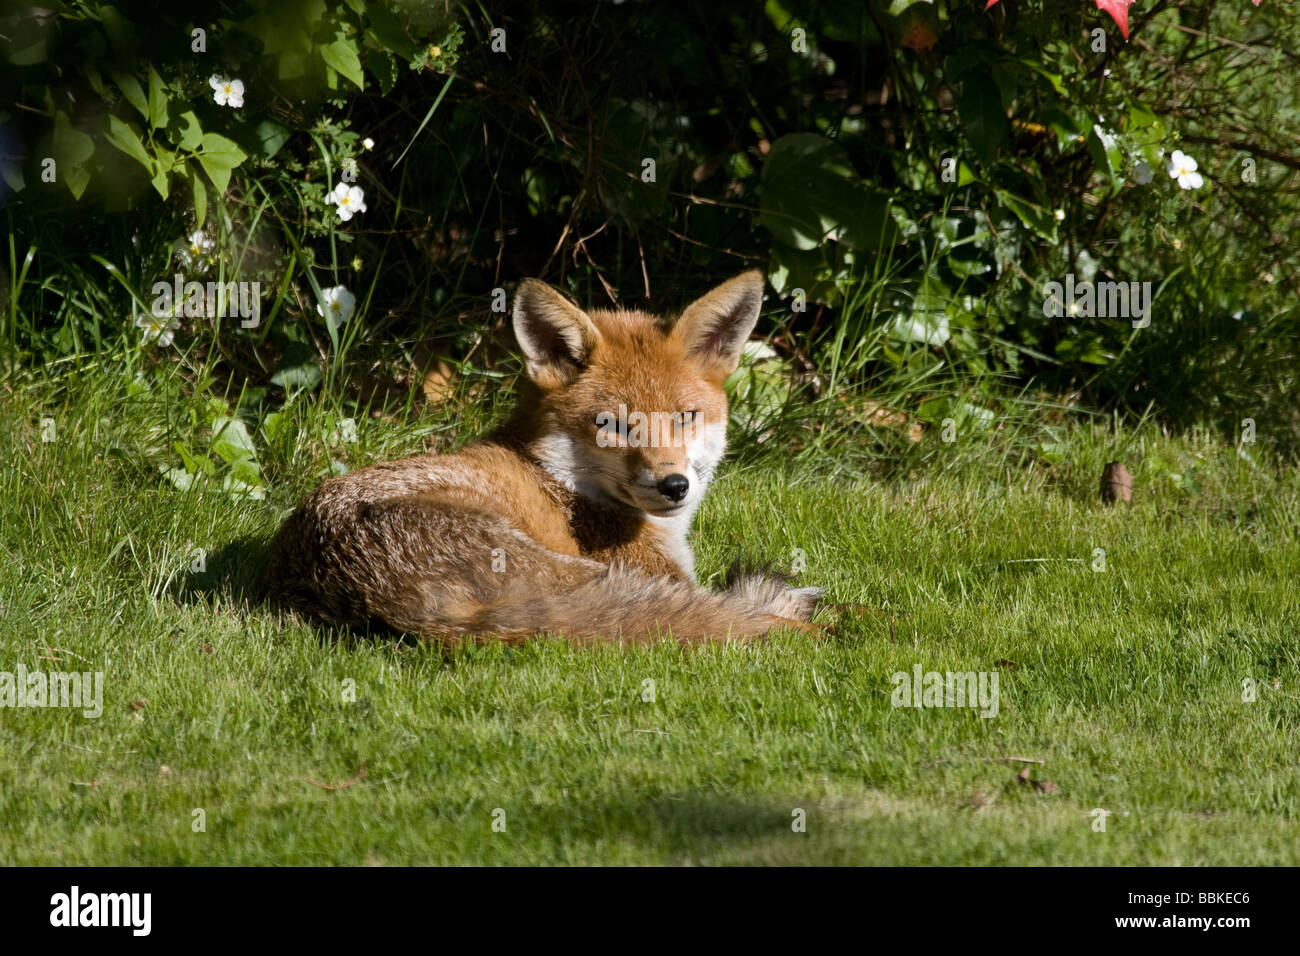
(1118, 9)
(991, 2)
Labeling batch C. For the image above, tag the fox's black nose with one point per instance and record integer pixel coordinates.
(674, 487)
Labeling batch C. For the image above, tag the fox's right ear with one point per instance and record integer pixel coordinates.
(555, 335)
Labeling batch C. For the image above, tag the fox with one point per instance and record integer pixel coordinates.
(571, 519)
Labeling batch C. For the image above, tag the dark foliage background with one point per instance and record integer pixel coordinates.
(909, 176)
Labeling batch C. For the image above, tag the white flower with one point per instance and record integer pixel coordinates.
(1143, 174)
(157, 327)
(368, 143)
(193, 249)
(1183, 168)
(350, 200)
(227, 92)
(1060, 215)
(338, 303)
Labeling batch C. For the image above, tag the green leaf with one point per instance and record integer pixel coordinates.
(28, 39)
(96, 81)
(1105, 152)
(1052, 452)
(965, 175)
(200, 199)
(1049, 76)
(241, 489)
(76, 178)
(383, 66)
(297, 368)
(72, 148)
(1083, 348)
(791, 269)
(120, 30)
(962, 413)
(1145, 132)
(132, 90)
(922, 312)
(247, 472)
(164, 163)
(812, 193)
(1139, 116)
(982, 116)
(1063, 125)
(272, 135)
(194, 464)
(274, 424)
(12, 174)
(231, 440)
(157, 100)
(191, 131)
(387, 30)
(218, 157)
(124, 137)
(161, 180)
(180, 478)
(1040, 221)
(341, 56)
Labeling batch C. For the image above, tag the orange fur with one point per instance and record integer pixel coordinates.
(560, 522)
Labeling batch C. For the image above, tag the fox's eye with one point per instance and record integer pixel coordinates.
(686, 418)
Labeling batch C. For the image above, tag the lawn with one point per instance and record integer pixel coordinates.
(1119, 689)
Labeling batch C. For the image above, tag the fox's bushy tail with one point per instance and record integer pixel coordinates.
(431, 569)
(624, 605)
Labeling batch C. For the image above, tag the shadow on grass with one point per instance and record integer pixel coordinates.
(231, 572)
(680, 827)
(232, 575)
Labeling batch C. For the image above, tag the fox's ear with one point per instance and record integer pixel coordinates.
(555, 335)
(714, 328)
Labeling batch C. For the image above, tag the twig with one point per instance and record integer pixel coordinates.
(361, 775)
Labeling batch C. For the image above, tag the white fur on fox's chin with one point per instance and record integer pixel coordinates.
(704, 454)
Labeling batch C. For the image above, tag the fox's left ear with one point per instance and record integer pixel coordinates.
(714, 328)
(556, 336)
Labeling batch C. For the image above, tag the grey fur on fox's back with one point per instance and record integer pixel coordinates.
(568, 520)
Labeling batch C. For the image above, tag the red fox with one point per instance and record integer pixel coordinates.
(572, 519)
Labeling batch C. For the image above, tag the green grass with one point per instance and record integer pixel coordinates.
(1125, 684)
